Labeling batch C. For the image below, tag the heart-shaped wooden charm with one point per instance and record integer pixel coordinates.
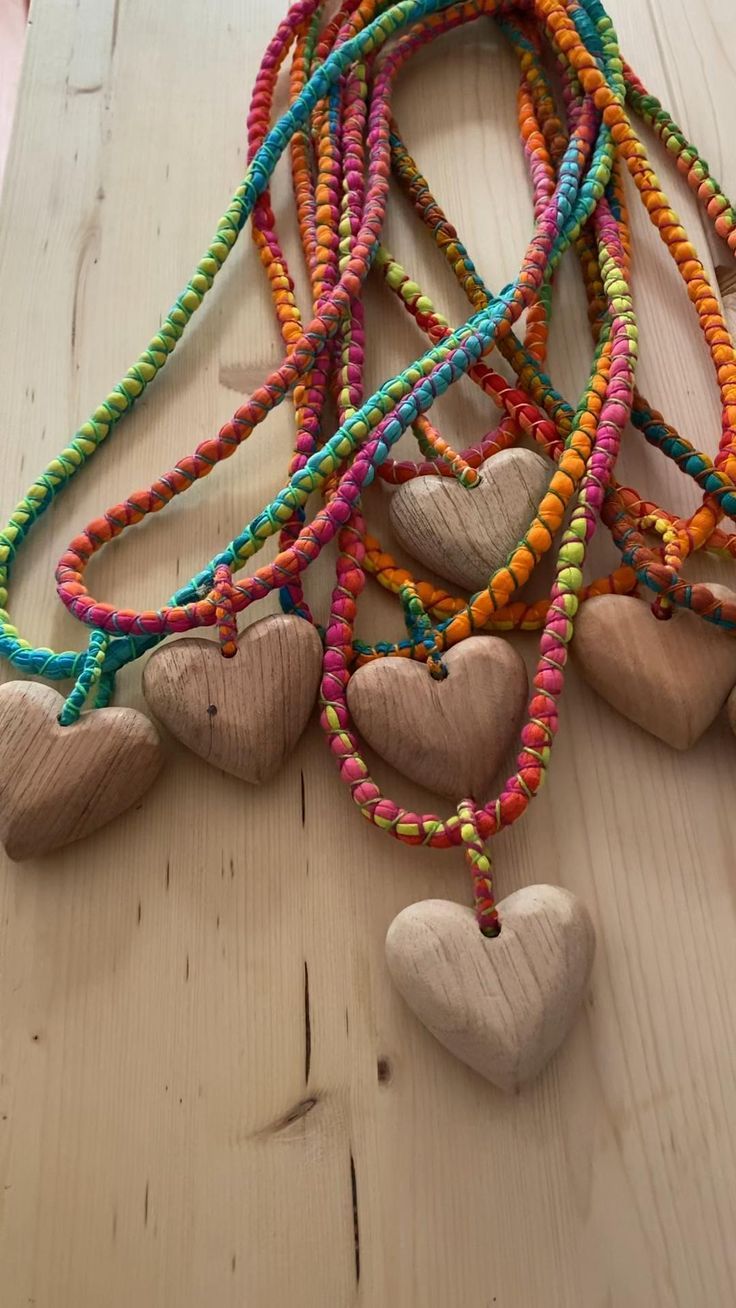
(58, 784)
(670, 677)
(466, 534)
(448, 735)
(503, 1006)
(242, 714)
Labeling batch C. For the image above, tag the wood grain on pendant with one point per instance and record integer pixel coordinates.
(242, 714)
(450, 735)
(669, 676)
(58, 784)
(466, 534)
(501, 1005)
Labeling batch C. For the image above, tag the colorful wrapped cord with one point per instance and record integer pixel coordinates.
(344, 144)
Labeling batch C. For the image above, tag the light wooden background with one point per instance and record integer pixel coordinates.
(169, 1133)
(12, 40)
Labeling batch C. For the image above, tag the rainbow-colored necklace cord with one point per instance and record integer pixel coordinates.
(344, 145)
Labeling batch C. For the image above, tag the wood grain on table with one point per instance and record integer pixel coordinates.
(13, 14)
(210, 1093)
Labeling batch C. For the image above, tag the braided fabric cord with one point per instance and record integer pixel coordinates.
(343, 144)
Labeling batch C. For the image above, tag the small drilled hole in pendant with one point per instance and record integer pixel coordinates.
(491, 933)
(662, 611)
(438, 671)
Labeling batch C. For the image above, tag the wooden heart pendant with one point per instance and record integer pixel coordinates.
(465, 535)
(670, 677)
(242, 714)
(58, 784)
(448, 735)
(503, 1006)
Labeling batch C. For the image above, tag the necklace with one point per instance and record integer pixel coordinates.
(344, 144)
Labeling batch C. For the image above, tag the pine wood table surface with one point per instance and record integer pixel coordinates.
(210, 1094)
